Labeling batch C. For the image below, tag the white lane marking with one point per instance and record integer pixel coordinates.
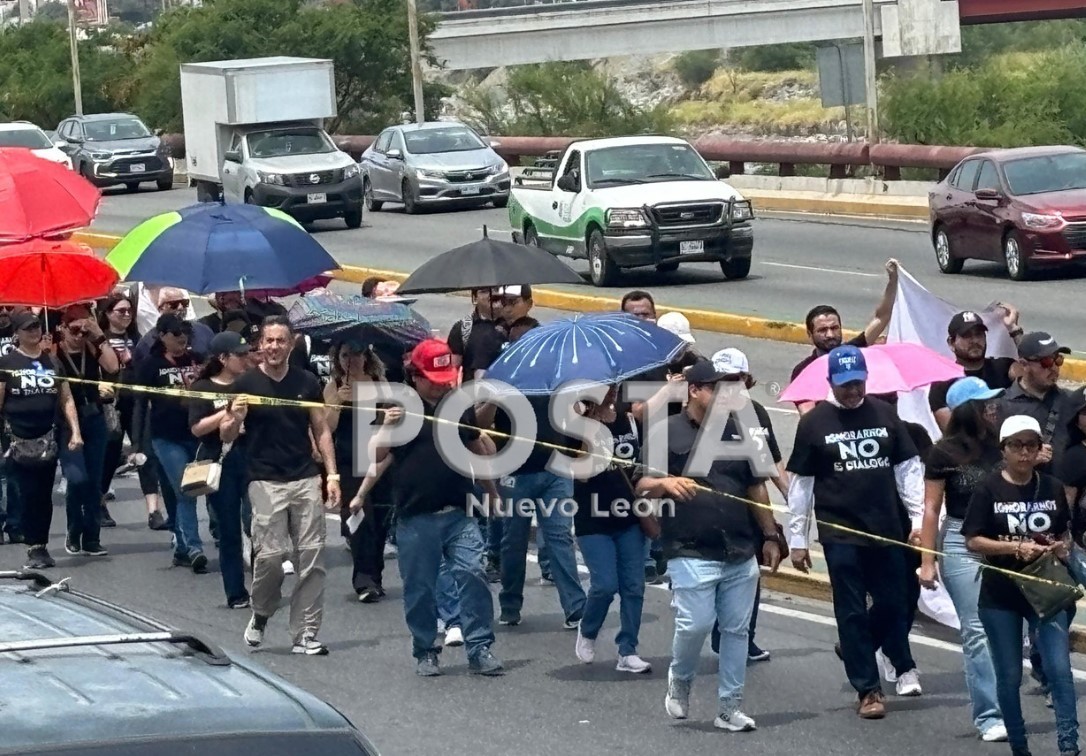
(492, 230)
(823, 270)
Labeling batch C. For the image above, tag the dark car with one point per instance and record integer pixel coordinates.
(1023, 207)
(79, 675)
(111, 149)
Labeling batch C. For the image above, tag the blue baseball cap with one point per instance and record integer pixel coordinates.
(847, 364)
(969, 389)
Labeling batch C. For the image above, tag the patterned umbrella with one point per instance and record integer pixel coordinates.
(328, 316)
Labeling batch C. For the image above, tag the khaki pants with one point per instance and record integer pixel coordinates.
(288, 520)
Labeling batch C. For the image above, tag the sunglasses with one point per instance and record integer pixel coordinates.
(177, 303)
(178, 332)
(1047, 363)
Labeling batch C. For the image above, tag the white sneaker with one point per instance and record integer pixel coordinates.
(288, 567)
(440, 626)
(633, 663)
(454, 637)
(677, 700)
(995, 734)
(886, 669)
(585, 648)
(737, 721)
(254, 634)
(391, 552)
(909, 684)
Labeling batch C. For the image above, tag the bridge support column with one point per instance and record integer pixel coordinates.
(920, 27)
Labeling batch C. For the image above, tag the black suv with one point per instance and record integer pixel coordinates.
(110, 149)
(79, 675)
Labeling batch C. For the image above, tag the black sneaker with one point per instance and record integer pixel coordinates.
(199, 564)
(94, 550)
(493, 572)
(182, 560)
(756, 654)
(104, 519)
(380, 591)
(510, 619)
(369, 595)
(573, 623)
(652, 577)
(71, 546)
(485, 663)
(427, 666)
(38, 558)
(239, 603)
(155, 521)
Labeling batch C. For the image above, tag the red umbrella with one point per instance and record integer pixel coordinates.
(52, 274)
(40, 198)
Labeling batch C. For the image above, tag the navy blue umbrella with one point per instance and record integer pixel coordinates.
(593, 348)
(213, 247)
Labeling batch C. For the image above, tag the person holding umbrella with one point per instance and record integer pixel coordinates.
(31, 398)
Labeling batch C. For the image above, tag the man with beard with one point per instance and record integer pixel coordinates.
(825, 332)
(967, 337)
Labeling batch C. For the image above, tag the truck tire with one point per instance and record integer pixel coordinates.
(531, 236)
(164, 185)
(132, 186)
(207, 191)
(501, 202)
(410, 201)
(373, 205)
(353, 218)
(601, 268)
(735, 269)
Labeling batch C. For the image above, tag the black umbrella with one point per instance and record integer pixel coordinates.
(487, 264)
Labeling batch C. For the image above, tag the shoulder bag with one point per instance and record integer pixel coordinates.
(1054, 589)
(203, 477)
(33, 451)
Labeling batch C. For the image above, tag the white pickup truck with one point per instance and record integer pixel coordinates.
(633, 202)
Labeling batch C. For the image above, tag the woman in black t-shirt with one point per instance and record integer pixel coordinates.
(1073, 466)
(611, 540)
(31, 402)
(955, 465)
(1015, 516)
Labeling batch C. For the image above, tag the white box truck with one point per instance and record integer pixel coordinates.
(254, 133)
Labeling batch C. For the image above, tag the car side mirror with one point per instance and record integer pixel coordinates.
(989, 195)
(568, 183)
(159, 132)
(494, 144)
(60, 144)
(394, 155)
(232, 156)
(723, 172)
(74, 140)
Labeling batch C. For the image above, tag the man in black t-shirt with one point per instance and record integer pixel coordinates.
(484, 325)
(851, 461)
(285, 489)
(967, 336)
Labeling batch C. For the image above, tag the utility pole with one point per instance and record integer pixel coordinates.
(870, 79)
(77, 84)
(416, 66)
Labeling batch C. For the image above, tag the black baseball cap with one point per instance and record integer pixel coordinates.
(228, 342)
(1038, 345)
(25, 320)
(170, 323)
(964, 321)
(702, 372)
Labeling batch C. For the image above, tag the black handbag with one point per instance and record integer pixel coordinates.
(1053, 591)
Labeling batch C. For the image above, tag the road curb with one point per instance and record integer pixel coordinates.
(817, 203)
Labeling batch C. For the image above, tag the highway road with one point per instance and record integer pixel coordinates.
(548, 703)
(798, 262)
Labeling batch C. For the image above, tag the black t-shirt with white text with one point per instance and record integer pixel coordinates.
(996, 372)
(31, 393)
(597, 510)
(199, 408)
(169, 416)
(7, 339)
(960, 479)
(1003, 511)
(279, 447)
(852, 453)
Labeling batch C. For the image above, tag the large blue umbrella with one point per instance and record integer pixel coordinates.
(588, 348)
(213, 247)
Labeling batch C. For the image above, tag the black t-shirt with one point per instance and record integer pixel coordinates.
(959, 479)
(485, 344)
(859, 341)
(996, 372)
(421, 481)
(199, 408)
(716, 526)
(852, 453)
(545, 434)
(1004, 511)
(169, 416)
(456, 333)
(597, 512)
(279, 448)
(1073, 469)
(31, 393)
(83, 367)
(1057, 405)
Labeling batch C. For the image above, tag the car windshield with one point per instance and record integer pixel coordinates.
(1048, 173)
(432, 141)
(284, 142)
(111, 131)
(32, 139)
(645, 163)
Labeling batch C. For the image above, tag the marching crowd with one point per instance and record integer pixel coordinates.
(996, 496)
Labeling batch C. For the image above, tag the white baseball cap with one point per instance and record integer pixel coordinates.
(1016, 424)
(676, 323)
(731, 361)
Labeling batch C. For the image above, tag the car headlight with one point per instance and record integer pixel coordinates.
(742, 211)
(351, 171)
(422, 173)
(501, 167)
(270, 178)
(1043, 222)
(626, 218)
(101, 156)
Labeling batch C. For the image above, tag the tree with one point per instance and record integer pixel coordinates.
(696, 67)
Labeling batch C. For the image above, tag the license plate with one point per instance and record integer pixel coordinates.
(137, 168)
(469, 190)
(691, 247)
(316, 199)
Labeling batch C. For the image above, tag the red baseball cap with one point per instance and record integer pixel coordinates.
(434, 360)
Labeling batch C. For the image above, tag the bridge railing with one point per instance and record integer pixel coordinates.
(836, 160)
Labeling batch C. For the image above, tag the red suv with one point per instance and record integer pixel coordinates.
(1025, 207)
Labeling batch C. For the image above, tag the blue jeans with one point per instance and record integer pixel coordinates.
(448, 595)
(557, 529)
(1004, 629)
(228, 503)
(83, 471)
(423, 541)
(173, 456)
(614, 566)
(959, 569)
(702, 592)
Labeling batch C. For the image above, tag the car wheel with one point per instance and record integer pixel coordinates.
(1015, 258)
(668, 267)
(735, 269)
(353, 218)
(501, 202)
(132, 187)
(164, 185)
(948, 263)
(410, 201)
(601, 269)
(373, 205)
(531, 237)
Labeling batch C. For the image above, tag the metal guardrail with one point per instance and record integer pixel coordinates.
(840, 159)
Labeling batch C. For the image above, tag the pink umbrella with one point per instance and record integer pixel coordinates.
(891, 368)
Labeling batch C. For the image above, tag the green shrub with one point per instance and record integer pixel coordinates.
(696, 67)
